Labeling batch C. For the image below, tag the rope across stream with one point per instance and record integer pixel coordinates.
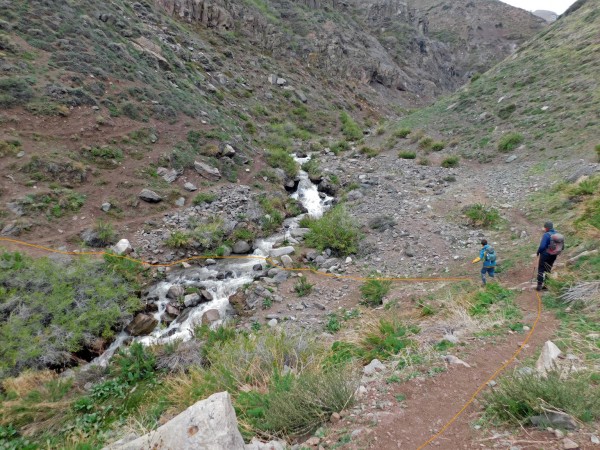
(316, 272)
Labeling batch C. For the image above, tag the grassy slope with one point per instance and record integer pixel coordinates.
(547, 91)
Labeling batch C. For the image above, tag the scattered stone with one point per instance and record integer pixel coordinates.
(348, 260)
(149, 196)
(287, 262)
(210, 262)
(361, 391)
(555, 419)
(547, 359)
(451, 338)
(241, 247)
(373, 366)
(301, 96)
(335, 418)
(176, 291)
(281, 81)
(595, 439)
(123, 247)
(106, 207)
(313, 441)
(451, 359)
(180, 201)
(141, 325)
(228, 151)
(209, 423)
(272, 323)
(277, 252)
(190, 187)
(569, 444)
(273, 79)
(191, 300)
(211, 316)
(511, 158)
(206, 171)
(169, 175)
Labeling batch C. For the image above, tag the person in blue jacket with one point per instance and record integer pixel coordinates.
(547, 254)
(488, 255)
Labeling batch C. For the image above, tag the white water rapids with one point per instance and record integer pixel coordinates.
(240, 271)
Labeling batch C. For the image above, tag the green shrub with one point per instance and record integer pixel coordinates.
(373, 291)
(312, 168)
(438, 146)
(402, 133)
(62, 309)
(590, 186)
(243, 234)
(340, 146)
(14, 91)
(450, 161)
(482, 216)
(333, 324)
(335, 230)
(509, 142)
(209, 234)
(350, 128)
(407, 155)
(388, 340)
(369, 152)
(416, 135)
(425, 143)
(303, 287)
(106, 232)
(281, 159)
(493, 294)
(476, 76)
(204, 197)
(424, 161)
(598, 151)
(520, 396)
(178, 239)
(505, 112)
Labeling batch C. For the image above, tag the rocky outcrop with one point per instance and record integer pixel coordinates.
(141, 325)
(210, 13)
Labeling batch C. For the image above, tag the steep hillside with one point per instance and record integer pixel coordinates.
(542, 102)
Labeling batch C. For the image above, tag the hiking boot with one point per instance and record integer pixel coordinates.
(539, 287)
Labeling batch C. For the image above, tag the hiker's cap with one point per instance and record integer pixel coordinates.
(549, 225)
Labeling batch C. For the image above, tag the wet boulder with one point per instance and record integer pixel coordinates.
(141, 325)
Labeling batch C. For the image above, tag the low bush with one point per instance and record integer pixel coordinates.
(493, 294)
(14, 91)
(402, 133)
(509, 142)
(505, 112)
(340, 146)
(279, 158)
(204, 197)
(424, 161)
(598, 151)
(178, 239)
(303, 287)
(336, 230)
(106, 232)
(438, 146)
(369, 151)
(590, 186)
(373, 291)
(312, 168)
(416, 135)
(482, 216)
(350, 128)
(450, 161)
(62, 309)
(425, 143)
(520, 396)
(407, 155)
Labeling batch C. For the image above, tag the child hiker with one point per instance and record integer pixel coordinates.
(488, 256)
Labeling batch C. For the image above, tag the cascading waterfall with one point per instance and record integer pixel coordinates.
(240, 273)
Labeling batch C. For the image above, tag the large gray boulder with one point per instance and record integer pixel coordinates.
(150, 196)
(209, 424)
(206, 171)
(141, 325)
(241, 247)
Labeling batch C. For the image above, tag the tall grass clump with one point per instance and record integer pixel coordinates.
(509, 142)
(350, 128)
(482, 216)
(519, 397)
(278, 381)
(407, 154)
(402, 132)
(373, 291)
(336, 230)
(281, 159)
(450, 161)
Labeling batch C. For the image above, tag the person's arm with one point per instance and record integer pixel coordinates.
(481, 253)
(544, 243)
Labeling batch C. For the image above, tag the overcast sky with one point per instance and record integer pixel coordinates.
(557, 6)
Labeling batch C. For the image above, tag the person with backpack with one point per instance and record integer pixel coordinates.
(487, 254)
(551, 246)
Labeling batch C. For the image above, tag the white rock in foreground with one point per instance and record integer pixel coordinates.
(208, 424)
(123, 247)
(547, 359)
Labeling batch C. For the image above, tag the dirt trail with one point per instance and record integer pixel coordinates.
(432, 402)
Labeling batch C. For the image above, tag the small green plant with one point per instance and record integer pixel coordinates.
(425, 143)
(312, 168)
(509, 142)
(333, 323)
(335, 230)
(350, 128)
(520, 396)
(402, 133)
(395, 378)
(400, 397)
(267, 303)
(369, 151)
(407, 154)
(590, 186)
(476, 76)
(424, 162)
(303, 287)
(374, 290)
(280, 158)
(598, 151)
(450, 161)
(106, 232)
(178, 239)
(204, 197)
(340, 146)
(243, 234)
(482, 216)
(438, 146)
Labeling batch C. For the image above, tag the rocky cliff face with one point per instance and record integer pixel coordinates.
(385, 44)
